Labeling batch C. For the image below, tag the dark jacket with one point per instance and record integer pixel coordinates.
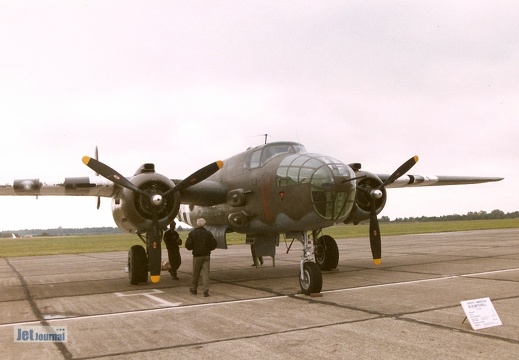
(201, 241)
(172, 240)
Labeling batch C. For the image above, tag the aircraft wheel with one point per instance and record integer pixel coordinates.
(326, 252)
(312, 281)
(137, 265)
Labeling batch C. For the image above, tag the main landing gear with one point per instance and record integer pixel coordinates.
(323, 255)
(137, 265)
(326, 252)
(140, 260)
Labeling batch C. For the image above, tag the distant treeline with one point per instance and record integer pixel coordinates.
(61, 232)
(480, 215)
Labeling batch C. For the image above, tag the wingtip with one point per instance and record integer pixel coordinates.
(416, 158)
(86, 160)
(219, 163)
(377, 261)
(155, 278)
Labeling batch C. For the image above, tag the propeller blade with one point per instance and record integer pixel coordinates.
(405, 167)
(154, 249)
(375, 239)
(196, 177)
(97, 157)
(110, 174)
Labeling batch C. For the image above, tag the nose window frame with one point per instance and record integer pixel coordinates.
(316, 171)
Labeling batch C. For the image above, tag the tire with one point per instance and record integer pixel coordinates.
(137, 265)
(326, 253)
(312, 281)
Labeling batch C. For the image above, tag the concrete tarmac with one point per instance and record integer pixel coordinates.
(407, 308)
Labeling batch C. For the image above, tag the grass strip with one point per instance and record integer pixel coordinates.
(53, 245)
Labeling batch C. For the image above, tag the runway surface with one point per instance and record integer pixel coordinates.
(407, 308)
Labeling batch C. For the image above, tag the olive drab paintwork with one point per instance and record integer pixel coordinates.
(284, 192)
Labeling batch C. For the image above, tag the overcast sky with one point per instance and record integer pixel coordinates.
(185, 83)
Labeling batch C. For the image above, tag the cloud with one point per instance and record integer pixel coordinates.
(184, 84)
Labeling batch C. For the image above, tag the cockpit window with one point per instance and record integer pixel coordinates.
(262, 155)
(255, 159)
(270, 151)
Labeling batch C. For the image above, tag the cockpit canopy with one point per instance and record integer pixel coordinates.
(262, 154)
(330, 188)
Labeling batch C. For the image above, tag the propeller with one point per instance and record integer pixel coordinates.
(196, 177)
(110, 174)
(375, 239)
(154, 235)
(99, 197)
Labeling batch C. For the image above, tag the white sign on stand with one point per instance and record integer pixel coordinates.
(481, 313)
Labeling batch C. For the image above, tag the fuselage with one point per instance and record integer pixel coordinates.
(277, 188)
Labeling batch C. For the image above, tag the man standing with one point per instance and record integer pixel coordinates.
(173, 241)
(201, 241)
(255, 259)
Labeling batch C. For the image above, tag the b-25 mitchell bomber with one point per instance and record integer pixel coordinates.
(270, 190)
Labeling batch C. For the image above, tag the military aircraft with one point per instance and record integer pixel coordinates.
(270, 190)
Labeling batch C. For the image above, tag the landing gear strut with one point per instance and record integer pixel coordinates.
(141, 261)
(310, 277)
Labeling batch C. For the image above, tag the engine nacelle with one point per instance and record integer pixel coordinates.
(363, 201)
(133, 212)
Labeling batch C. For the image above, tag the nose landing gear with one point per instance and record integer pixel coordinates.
(310, 276)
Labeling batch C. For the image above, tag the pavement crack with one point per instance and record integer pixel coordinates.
(469, 332)
(36, 310)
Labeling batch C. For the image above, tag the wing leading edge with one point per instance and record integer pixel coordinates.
(72, 186)
(436, 180)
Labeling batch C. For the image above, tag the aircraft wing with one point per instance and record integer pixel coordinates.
(205, 193)
(436, 180)
(73, 186)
